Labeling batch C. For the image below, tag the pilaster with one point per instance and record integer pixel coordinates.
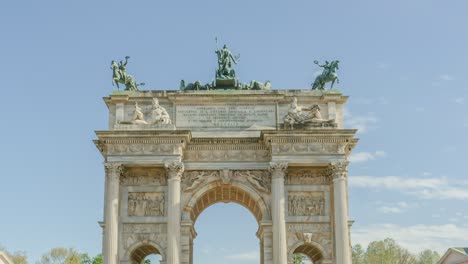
(174, 174)
(278, 172)
(338, 171)
(111, 214)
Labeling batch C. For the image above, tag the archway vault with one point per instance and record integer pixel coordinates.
(228, 193)
(312, 250)
(140, 251)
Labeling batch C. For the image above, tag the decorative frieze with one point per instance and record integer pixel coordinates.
(311, 203)
(143, 176)
(146, 204)
(134, 233)
(308, 177)
(144, 149)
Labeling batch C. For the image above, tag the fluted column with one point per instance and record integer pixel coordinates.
(111, 214)
(174, 173)
(280, 252)
(343, 251)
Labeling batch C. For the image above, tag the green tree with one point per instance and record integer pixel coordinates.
(61, 256)
(358, 254)
(428, 257)
(97, 259)
(19, 257)
(388, 251)
(299, 258)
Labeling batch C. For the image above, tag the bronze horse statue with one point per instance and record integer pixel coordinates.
(328, 75)
(119, 75)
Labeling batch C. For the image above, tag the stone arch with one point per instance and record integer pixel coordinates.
(137, 252)
(311, 249)
(236, 192)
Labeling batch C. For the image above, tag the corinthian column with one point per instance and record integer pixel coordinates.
(111, 213)
(280, 252)
(174, 173)
(343, 249)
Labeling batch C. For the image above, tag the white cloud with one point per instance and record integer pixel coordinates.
(248, 256)
(363, 123)
(459, 100)
(366, 156)
(397, 208)
(415, 238)
(446, 77)
(424, 188)
(390, 210)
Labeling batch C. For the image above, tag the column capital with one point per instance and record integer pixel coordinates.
(338, 169)
(174, 170)
(278, 169)
(114, 170)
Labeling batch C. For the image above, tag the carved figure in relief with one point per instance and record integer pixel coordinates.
(146, 204)
(225, 176)
(305, 205)
(304, 115)
(196, 178)
(159, 114)
(138, 117)
(257, 181)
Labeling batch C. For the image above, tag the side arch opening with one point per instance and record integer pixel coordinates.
(142, 252)
(313, 252)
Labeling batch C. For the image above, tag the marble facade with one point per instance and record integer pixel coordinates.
(225, 146)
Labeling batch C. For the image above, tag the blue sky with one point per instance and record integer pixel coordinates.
(403, 63)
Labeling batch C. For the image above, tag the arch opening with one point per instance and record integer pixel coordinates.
(310, 251)
(226, 194)
(243, 234)
(145, 254)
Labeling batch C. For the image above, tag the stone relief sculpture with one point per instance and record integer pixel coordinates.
(306, 203)
(328, 75)
(159, 114)
(194, 179)
(120, 75)
(225, 176)
(256, 178)
(305, 116)
(138, 117)
(308, 177)
(146, 204)
(143, 177)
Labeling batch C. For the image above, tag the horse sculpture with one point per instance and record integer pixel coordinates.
(328, 75)
(119, 75)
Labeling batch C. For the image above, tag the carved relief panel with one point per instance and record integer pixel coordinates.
(142, 176)
(304, 203)
(308, 177)
(146, 204)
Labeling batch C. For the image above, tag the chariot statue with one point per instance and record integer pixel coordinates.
(225, 61)
(120, 75)
(328, 75)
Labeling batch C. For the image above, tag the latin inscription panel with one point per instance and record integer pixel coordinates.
(225, 116)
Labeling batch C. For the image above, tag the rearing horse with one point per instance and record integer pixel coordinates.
(126, 79)
(328, 75)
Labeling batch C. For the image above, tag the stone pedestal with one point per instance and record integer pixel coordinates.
(111, 214)
(280, 253)
(343, 250)
(174, 173)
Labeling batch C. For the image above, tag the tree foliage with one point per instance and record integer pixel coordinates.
(387, 251)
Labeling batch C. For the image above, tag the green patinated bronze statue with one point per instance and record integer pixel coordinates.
(328, 75)
(225, 61)
(120, 75)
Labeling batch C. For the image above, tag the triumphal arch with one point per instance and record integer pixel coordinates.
(282, 154)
